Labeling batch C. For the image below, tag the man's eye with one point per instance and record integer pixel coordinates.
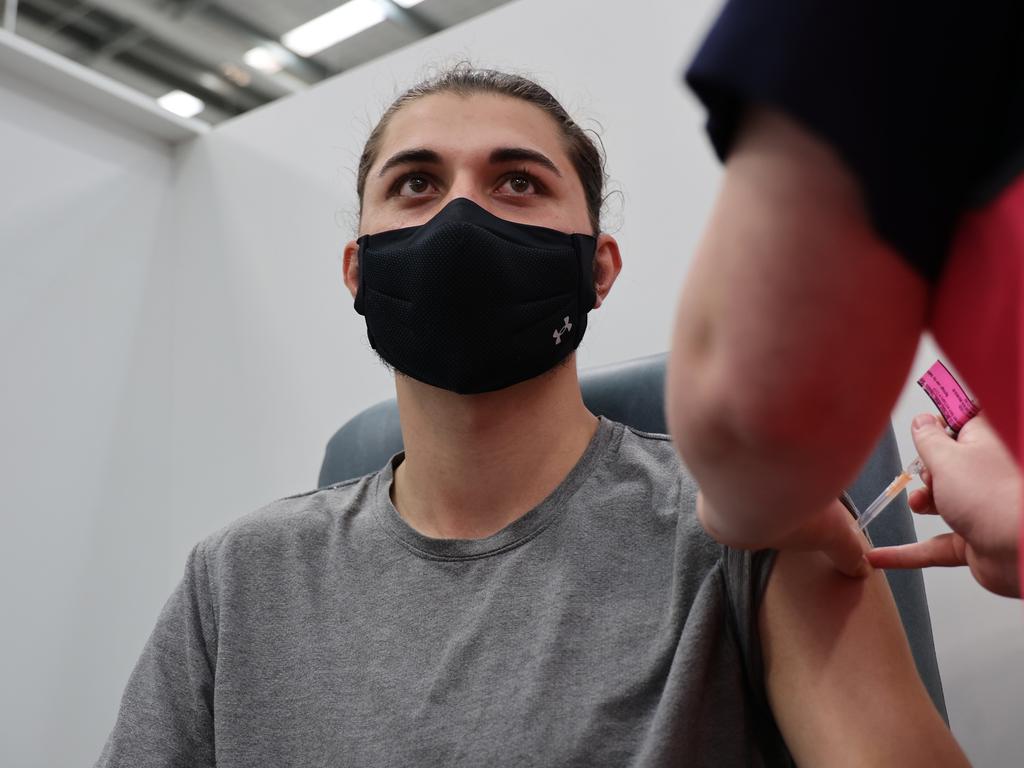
(518, 184)
(414, 186)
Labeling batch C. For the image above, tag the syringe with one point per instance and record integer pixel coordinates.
(889, 494)
(956, 407)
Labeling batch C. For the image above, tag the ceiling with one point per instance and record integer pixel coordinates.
(199, 46)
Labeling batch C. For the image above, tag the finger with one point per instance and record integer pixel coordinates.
(847, 555)
(946, 550)
(976, 428)
(931, 440)
(926, 477)
(920, 501)
(834, 533)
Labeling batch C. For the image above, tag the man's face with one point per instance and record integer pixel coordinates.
(504, 154)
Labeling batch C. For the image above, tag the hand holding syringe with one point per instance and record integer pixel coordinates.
(974, 485)
(957, 409)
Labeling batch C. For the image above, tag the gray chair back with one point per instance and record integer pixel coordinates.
(633, 393)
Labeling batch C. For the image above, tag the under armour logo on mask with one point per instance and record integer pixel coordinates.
(559, 332)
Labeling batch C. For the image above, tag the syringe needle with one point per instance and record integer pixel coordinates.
(886, 497)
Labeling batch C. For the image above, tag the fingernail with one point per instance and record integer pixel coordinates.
(923, 420)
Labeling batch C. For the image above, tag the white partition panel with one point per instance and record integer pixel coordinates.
(85, 311)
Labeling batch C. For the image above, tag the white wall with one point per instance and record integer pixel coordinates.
(210, 348)
(84, 335)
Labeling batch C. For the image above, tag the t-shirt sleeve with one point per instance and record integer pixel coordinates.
(166, 713)
(746, 578)
(911, 97)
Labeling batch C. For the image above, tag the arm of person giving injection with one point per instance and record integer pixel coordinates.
(851, 145)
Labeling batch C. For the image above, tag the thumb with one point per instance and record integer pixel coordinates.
(931, 439)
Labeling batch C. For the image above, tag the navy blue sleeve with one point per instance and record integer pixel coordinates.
(912, 96)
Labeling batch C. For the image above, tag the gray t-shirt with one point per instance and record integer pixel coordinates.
(602, 628)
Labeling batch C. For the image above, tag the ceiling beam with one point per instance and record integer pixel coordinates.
(97, 40)
(308, 69)
(409, 19)
(201, 48)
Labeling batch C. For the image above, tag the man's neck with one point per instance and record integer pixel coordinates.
(475, 463)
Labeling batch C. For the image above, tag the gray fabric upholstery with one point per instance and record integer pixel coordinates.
(632, 393)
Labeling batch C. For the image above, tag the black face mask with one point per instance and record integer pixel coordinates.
(473, 303)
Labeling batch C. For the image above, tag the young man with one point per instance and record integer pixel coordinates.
(526, 584)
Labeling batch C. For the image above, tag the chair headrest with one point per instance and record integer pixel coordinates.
(630, 392)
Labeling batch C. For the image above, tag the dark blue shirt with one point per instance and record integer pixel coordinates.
(924, 102)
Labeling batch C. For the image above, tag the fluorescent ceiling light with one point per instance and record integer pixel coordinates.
(408, 3)
(181, 103)
(334, 26)
(262, 59)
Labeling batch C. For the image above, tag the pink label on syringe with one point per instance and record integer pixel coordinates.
(949, 397)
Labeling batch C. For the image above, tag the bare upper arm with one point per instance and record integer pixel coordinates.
(790, 266)
(839, 673)
(797, 324)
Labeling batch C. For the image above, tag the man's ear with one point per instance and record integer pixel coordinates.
(607, 265)
(350, 267)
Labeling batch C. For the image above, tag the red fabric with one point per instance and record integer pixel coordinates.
(977, 316)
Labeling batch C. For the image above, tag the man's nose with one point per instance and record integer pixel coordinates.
(467, 188)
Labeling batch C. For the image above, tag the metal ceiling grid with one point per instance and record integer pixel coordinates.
(199, 46)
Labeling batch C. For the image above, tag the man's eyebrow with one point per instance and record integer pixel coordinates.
(511, 154)
(410, 156)
(500, 155)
